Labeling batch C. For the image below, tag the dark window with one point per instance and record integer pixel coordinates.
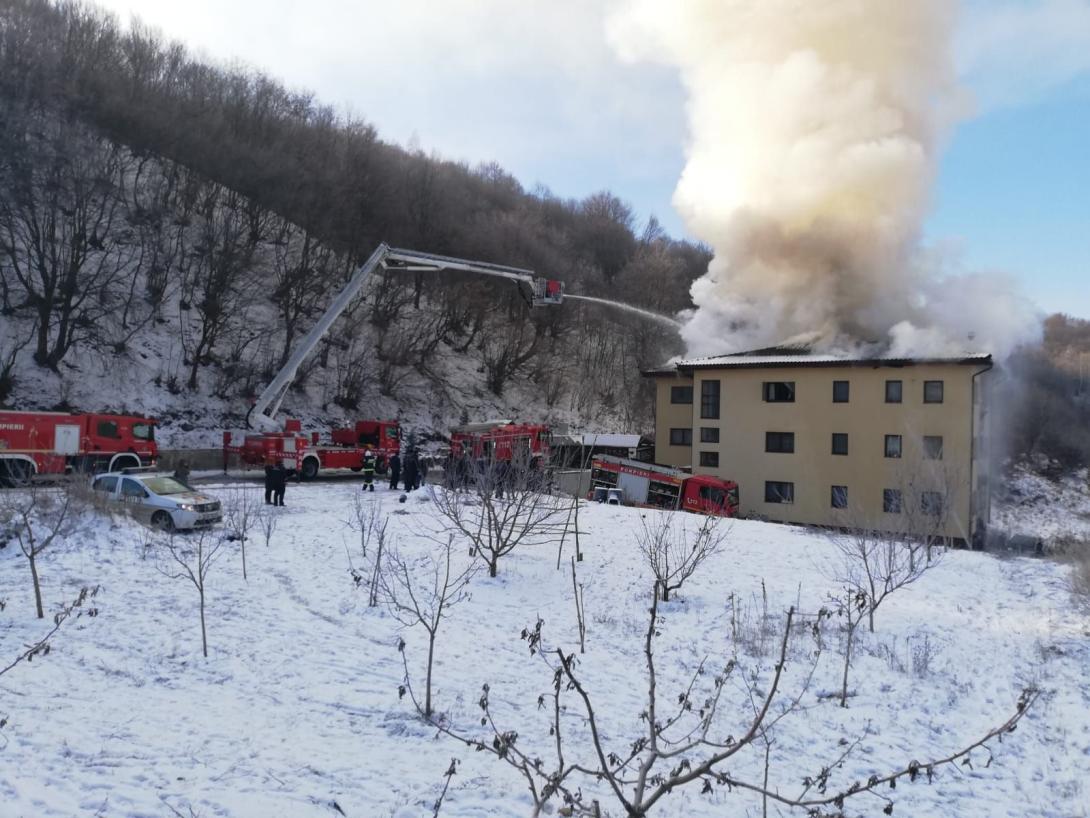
(893, 445)
(681, 394)
(780, 442)
(779, 391)
(891, 501)
(709, 399)
(106, 484)
(130, 488)
(107, 428)
(931, 503)
(932, 447)
(840, 391)
(776, 492)
(709, 459)
(893, 391)
(681, 437)
(840, 442)
(713, 495)
(932, 391)
(709, 434)
(839, 497)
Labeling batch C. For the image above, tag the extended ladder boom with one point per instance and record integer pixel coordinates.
(542, 292)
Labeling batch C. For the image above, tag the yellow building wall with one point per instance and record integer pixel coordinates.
(669, 416)
(813, 417)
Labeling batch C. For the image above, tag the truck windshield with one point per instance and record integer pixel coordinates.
(143, 431)
(164, 485)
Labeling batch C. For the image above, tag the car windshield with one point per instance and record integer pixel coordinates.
(164, 485)
(143, 431)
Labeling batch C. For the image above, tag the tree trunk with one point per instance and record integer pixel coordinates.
(204, 633)
(493, 566)
(244, 558)
(427, 689)
(847, 661)
(37, 585)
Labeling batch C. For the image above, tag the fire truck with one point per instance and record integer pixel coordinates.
(42, 443)
(308, 454)
(646, 484)
(502, 440)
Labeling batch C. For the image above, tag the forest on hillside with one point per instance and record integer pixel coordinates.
(146, 192)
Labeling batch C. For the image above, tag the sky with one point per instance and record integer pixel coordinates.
(537, 87)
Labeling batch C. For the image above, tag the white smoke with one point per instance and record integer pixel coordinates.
(815, 131)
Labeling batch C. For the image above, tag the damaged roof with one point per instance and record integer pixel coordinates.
(779, 357)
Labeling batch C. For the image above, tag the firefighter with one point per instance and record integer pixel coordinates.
(270, 483)
(412, 471)
(394, 465)
(368, 470)
(280, 482)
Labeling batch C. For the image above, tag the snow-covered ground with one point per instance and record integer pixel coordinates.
(1053, 509)
(296, 711)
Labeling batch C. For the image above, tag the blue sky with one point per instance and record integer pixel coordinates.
(536, 87)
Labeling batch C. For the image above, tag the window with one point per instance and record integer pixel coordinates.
(931, 503)
(709, 434)
(106, 484)
(709, 459)
(130, 488)
(709, 399)
(779, 391)
(681, 437)
(932, 391)
(840, 442)
(840, 391)
(891, 501)
(893, 391)
(776, 492)
(893, 445)
(107, 428)
(716, 497)
(839, 497)
(780, 442)
(143, 431)
(681, 394)
(932, 447)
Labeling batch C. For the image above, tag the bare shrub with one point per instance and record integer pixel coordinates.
(36, 518)
(673, 552)
(191, 558)
(421, 592)
(501, 507)
(242, 514)
(267, 521)
(677, 740)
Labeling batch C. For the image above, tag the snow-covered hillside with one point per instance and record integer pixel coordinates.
(296, 711)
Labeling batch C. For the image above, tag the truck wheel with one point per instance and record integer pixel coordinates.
(163, 521)
(310, 469)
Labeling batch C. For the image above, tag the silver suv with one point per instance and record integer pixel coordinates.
(159, 499)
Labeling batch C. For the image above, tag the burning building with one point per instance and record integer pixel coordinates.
(857, 441)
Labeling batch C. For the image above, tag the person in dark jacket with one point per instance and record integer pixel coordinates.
(368, 470)
(181, 474)
(270, 483)
(412, 471)
(280, 482)
(394, 465)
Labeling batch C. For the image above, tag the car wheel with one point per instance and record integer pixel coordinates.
(310, 469)
(163, 521)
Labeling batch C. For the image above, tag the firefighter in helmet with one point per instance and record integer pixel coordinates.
(368, 470)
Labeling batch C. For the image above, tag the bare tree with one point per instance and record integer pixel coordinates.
(685, 744)
(192, 558)
(242, 513)
(267, 521)
(502, 508)
(371, 529)
(36, 517)
(421, 593)
(365, 520)
(673, 553)
(851, 605)
(70, 610)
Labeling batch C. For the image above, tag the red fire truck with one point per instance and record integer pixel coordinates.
(307, 454)
(501, 440)
(39, 443)
(646, 484)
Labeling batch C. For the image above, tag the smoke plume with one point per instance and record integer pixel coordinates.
(815, 127)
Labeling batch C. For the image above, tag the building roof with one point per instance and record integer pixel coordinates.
(802, 356)
(606, 440)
